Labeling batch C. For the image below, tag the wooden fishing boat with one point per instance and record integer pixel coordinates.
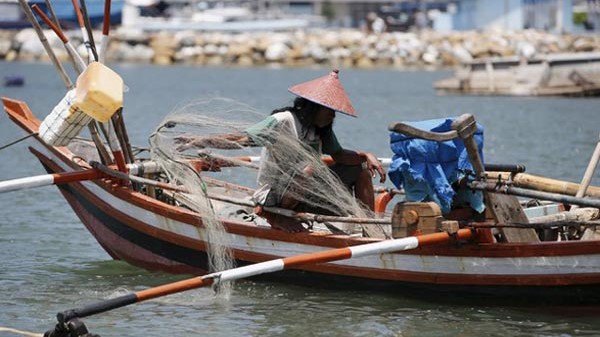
(572, 74)
(153, 234)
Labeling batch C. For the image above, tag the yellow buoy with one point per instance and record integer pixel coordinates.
(99, 92)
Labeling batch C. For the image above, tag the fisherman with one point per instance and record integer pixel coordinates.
(309, 120)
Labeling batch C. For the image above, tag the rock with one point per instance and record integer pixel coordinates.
(245, 61)
(583, 45)
(162, 60)
(5, 47)
(238, 49)
(187, 54)
(526, 49)
(11, 56)
(462, 54)
(365, 63)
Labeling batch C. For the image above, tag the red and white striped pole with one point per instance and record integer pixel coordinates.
(380, 247)
(48, 179)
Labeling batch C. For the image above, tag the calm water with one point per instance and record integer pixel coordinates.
(49, 262)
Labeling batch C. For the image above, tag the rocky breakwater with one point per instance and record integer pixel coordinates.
(337, 48)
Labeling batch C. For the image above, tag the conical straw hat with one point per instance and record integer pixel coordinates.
(326, 91)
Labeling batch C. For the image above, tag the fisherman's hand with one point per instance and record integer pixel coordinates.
(374, 166)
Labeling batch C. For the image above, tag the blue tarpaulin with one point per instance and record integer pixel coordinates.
(427, 169)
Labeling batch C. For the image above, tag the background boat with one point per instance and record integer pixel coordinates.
(568, 74)
(12, 16)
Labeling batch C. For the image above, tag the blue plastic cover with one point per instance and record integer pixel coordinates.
(427, 169)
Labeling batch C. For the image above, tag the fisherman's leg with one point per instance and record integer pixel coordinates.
(363, 189)
(358, 180)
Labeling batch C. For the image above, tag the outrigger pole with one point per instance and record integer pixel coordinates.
(48, 179)
(69, 320)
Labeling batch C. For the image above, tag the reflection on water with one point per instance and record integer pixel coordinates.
(51, 263)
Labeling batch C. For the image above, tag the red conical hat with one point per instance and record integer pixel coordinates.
(326, 91)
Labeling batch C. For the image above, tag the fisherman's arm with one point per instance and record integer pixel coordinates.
(349, 157)
(342, 156)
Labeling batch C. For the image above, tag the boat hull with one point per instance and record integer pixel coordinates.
(150, 234)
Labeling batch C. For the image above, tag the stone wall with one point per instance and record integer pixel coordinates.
(336, 48)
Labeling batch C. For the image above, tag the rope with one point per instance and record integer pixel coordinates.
(18, 140)
(20, 332)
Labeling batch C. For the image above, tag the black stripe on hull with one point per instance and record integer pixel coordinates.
(513, 295)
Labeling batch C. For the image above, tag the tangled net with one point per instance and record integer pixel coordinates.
(218, 125)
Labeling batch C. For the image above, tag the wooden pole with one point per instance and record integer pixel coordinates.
(80, 66)
(104, 156)
(48, 179)
(505, 208)
(84, 35)
(88, 27)
(543, 184)
(79, 63)
(589, 172)
(122, 137)
(52, 14)
(375, 248)
(36, 26)
(494, 188)
(105, 32)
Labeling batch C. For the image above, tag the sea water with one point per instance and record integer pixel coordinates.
(49, 262)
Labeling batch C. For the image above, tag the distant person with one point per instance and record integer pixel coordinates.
(375, 24)
(421, 21)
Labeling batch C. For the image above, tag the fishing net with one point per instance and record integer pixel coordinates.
(204, 143)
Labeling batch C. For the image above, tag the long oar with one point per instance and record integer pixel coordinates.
(380, 247)
(48, 179)
(88, 174)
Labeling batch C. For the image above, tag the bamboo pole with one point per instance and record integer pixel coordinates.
(79, 63)
(297, 261)
(88, 27)
(543, 184)
(589, 172)
(84, 35)
(494, 188)
(105, 32)
(104, 156)
(79, 68)
(53, 14)
(38, 29)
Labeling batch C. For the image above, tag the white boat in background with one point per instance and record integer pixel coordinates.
(569, 74)
(175, 16)
(13, 17)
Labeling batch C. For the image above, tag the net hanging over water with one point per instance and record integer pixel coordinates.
(218, 135)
